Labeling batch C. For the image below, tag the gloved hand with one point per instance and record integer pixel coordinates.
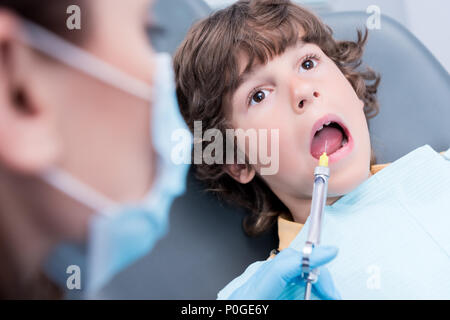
(271, 279)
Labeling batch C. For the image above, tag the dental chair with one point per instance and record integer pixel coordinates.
(206, 247)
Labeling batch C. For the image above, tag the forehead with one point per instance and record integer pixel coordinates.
(248, 67)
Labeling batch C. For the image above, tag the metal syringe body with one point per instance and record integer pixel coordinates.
(318, 201)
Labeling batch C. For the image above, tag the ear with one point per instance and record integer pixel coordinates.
(27, 139)
(242, 173)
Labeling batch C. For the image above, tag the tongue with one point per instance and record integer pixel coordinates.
(333, 138)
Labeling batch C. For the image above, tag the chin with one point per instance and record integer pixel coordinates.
(346, 181)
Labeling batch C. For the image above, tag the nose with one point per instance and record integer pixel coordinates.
(303, 93)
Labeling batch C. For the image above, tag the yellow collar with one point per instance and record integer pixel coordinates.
(287, 231)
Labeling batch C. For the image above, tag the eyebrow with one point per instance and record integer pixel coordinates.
(243, 77)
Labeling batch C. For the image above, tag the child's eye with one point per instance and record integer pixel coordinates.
(308, 64)
(258, 96)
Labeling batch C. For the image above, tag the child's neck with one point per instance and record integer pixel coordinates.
(301, 212)
(301, 209)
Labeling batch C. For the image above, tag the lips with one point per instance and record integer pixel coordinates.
(338, 152)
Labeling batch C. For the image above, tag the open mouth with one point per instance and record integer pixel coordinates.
(330, 136)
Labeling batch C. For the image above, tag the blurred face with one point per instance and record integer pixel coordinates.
(103, 127)
(86, 124)
(67, 119)
(304, 95)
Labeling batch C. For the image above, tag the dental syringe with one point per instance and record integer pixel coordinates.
(319, 197)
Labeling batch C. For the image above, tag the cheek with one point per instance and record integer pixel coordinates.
(293, 177)
(283, 144)
(295, 173)
(263, 125)
(338, 86)
(347, 175)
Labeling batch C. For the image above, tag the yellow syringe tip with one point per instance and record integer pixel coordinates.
(323, 160)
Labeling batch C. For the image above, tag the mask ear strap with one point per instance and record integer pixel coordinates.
(79, 191)
(63, 51)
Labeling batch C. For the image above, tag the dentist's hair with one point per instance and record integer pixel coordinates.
(50, 14)
(207, 68)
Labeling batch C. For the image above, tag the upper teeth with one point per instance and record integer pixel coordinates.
(325, 124)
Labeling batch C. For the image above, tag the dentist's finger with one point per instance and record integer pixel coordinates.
(321, 255)
(325, 287)
(287, 264)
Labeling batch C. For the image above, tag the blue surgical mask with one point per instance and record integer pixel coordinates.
(119, 234)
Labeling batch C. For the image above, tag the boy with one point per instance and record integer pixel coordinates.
(274, 65)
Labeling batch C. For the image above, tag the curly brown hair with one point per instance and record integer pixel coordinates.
(207, 73)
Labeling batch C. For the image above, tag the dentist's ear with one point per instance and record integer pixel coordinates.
(242, 173)
(28, 141)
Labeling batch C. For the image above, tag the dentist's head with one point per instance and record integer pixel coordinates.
(74, 127)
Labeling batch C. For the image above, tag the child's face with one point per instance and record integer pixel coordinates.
(291, 93)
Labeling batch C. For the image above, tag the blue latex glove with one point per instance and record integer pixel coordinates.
(271, 279)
